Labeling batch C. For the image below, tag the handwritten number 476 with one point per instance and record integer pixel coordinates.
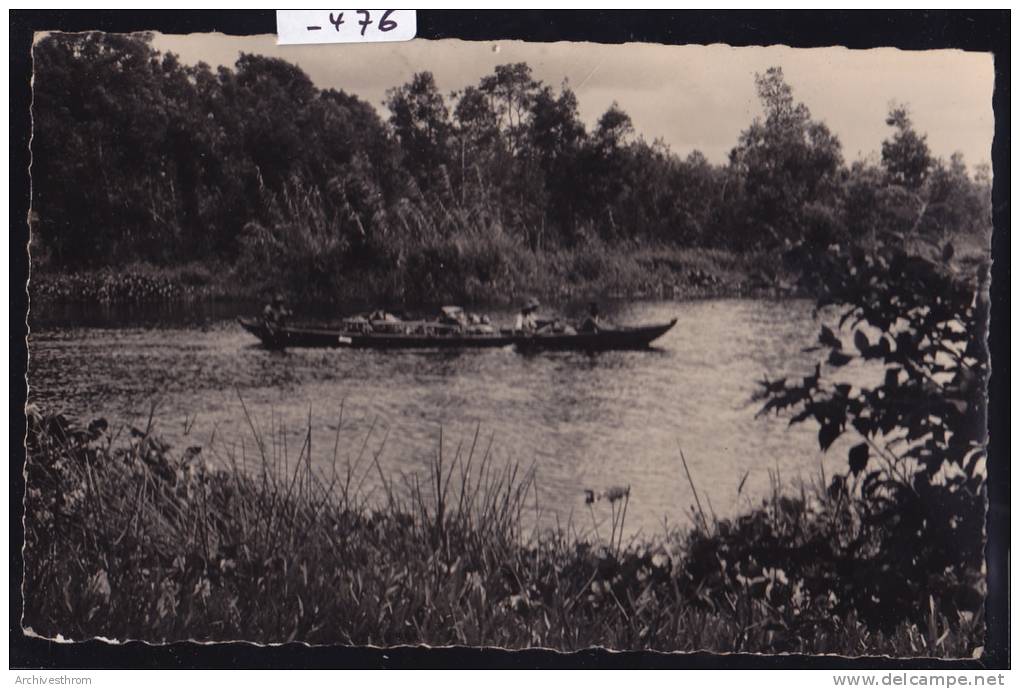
(385, 24)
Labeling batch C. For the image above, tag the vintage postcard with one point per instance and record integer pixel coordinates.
(508, 344)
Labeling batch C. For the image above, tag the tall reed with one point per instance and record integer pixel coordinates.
(268, 542)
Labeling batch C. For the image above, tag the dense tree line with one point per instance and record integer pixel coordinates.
(137, 156)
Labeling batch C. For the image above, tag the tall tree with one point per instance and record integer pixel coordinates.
(784, 162)
(273, 97)
(614, 128)
(905, 156)
(606, 162)
(556, 135)
(955, 203)
(511, 89)
(99, 173)
(478, 146)
(421, 120)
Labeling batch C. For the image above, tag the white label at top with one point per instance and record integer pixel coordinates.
(344, 26)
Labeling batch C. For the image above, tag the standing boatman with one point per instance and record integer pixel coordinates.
(592, 323)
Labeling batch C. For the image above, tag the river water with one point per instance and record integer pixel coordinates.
(582, 421)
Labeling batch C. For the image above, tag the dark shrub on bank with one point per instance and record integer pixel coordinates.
(916, 318)
(135, 284)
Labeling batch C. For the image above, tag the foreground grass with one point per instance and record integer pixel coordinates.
(128, 540)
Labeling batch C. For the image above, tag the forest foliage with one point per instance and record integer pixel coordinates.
(138, 157)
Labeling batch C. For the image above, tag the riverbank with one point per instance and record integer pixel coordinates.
(127, 538)
(457, 272)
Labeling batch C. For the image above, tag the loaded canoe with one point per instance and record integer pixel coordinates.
(635, 337)
(615, 339)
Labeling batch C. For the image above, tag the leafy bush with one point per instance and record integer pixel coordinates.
(916, 474)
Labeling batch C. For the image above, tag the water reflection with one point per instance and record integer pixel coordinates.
(583, 420)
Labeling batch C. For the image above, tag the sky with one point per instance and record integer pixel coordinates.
(691, 97)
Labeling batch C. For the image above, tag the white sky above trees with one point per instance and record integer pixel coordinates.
(691, 97)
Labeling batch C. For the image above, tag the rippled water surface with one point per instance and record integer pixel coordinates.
(583, 421)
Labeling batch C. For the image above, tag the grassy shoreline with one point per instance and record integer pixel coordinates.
(130, 539)
(454, 275)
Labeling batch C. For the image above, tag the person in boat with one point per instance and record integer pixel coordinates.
(592, 323)
(356, 324)
(382, 316)
(276, 313)
(526, 317)
(479, 324)
(383, 321)
(454, 316)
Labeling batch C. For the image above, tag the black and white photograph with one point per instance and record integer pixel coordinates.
(508, 344)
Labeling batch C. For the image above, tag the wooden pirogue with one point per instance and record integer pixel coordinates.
(439, 337)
